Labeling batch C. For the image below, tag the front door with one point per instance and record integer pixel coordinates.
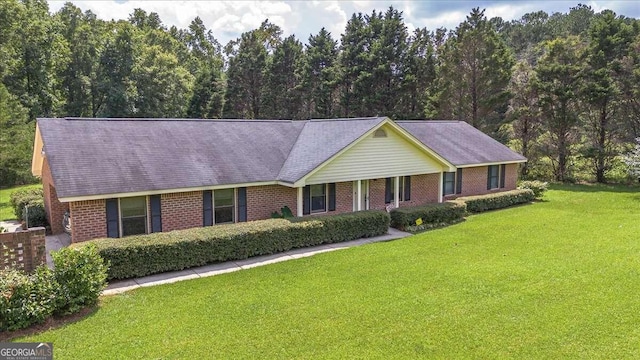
(364, 195)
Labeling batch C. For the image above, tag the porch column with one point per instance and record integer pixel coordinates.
(359, 196)
(300, 205)
(396, 191)
(440, 187)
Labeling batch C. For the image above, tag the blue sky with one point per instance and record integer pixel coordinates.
(228, 19)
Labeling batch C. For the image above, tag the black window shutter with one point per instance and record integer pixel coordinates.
(407, 188)
(113, 230)
(332, 196)
(489, 177)
(207, 208)
(387, 191)
(503, 169)
(242, 204)
(459, 181)
(156, 213)
(306, 200)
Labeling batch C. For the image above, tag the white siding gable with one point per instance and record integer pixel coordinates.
(377, 157)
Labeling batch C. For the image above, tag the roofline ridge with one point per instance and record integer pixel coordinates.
(73, 118)
(350, 119)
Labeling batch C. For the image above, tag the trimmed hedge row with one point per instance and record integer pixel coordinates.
(499, 200)
(77, 280)
(351, 226)
(142, 255)
(432, 215)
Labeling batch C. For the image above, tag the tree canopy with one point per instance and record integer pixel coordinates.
(561, 88)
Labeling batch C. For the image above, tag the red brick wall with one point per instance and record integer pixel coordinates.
(376, 194)
(181, 210)
(54, 208)
(474, 181)
(88, 220)
(344, 198)
(511, 178)
(424, 189)
(263, 200)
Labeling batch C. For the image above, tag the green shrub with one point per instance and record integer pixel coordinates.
(34, 199)
(432, 215)
(286, 213)
(81, 275)
(26, 299)
(499, 200)
(350, 226)
(77, 281)
(142, 255)
(538, 187)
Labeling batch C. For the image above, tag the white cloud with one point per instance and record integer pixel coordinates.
(228, 19)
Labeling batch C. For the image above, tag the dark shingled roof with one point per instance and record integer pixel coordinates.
(319, 140)
(99, 156)
(106, 156)
(460, 143)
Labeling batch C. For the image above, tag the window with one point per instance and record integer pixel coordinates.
(493, 177)
(224, 206)
(380, 133)
(318, 195)
(133, 215)
(403, 182)
(449, 181)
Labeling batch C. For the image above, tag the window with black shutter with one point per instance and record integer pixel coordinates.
(242, 204)
(503, 171)
(207, 208)
(332, 196)
(156, 213)
(113, 229)
(459, 181)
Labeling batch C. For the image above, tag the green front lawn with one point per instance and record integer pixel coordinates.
(6, 211)
(556, 279)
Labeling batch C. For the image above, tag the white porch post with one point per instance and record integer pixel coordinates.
(396, 191)
(440, 187)
(300, 202)
(359, 196)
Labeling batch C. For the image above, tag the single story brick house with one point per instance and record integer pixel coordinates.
(119, 177)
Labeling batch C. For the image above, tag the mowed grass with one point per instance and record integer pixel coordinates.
(6, 211)
(556, 279)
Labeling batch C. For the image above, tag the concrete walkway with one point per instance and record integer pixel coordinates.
(53, 243)
(121, 286)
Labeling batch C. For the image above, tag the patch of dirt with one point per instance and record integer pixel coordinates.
(53, 322)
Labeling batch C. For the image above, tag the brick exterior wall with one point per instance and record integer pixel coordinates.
(23, 250)
(474, 181)
(376, 194)
(184, 210)
(263, 200)
(88, 220)
(424, 189)
(53, 207)
(344, 198)
(181, 210)
(511, 178)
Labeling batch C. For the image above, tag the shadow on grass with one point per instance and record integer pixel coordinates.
(615, 188)
(51, 323)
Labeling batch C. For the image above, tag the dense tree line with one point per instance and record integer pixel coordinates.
(563, 89)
